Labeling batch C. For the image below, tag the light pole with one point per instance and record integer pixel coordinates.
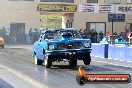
(112, 42)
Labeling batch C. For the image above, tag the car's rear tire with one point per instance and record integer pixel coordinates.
(48, 62)
(37, 61)
(87, 59)
(73, 62)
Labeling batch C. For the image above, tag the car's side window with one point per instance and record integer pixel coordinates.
(44, 37)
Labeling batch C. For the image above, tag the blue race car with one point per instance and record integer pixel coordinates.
(57, 45)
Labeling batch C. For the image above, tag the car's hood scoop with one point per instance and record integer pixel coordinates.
(66, 36)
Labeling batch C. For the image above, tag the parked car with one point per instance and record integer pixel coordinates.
(1, 42)
(57, 45)
(116, 40)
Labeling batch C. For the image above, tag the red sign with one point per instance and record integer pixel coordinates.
(130, 35)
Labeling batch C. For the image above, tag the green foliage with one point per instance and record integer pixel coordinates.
(51, 21)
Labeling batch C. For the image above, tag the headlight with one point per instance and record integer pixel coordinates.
(51, 47)
(87, 45)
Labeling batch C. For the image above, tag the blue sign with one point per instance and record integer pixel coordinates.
(116, 17)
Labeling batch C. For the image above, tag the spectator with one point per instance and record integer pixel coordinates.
(96, 36)
(8, 35)
(92, 36)
(35, 35)
(115, 33)
(30, 33)
(101, 35)
(13, 38)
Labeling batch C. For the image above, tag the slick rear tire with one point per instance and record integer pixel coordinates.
(48, 62)
(37, 61)
(87, 59)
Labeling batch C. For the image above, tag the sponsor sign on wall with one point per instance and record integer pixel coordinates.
(116, 17)
(87, 8)
(106, 8)
(123, 8)
(96, 8)
(57, 8)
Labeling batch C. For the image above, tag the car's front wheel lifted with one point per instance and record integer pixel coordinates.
(48, 62)
(37, 61)
(87, 59)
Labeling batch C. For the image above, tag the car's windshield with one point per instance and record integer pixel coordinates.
(75, 34)
(50, 34)
(56, 34)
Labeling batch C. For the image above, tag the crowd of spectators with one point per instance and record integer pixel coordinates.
(34, 34)
(12, 37)
(96, 37)
(7, 35)
(123, 35)
(92, 34)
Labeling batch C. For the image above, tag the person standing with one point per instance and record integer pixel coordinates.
(96, 36)
(8, 35)
(34, 35)
(92, 36)
(30, 33)
(115, 33)
(101, 35)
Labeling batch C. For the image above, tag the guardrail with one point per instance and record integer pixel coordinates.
(115, 52)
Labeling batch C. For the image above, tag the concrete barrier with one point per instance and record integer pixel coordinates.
(100, 50)
(115, 52)
(128, 54)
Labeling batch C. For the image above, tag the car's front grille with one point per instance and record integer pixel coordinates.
(74, 45)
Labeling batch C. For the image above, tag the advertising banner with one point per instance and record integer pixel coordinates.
(57, 8)
(87, 8)
(106, 8)
(123, 9)
(116, 17)
(96, 8)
